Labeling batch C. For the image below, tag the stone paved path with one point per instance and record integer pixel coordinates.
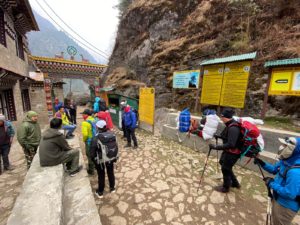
(11, 182)
(157, 184)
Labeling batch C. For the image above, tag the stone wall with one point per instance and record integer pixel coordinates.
(8, 55)
(38, 102)
(18, 102)
(59, 92)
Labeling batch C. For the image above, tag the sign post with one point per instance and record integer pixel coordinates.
(147, 108)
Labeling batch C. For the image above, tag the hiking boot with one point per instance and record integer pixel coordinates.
(91, 172)
(69, 137)
(237, 185)
(127, 146)
(72, 174)
(99, 194)
(10, 168)
(135, 147)
(112, 190)
(221, 189)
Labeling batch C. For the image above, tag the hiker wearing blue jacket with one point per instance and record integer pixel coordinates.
(97, 105)
(286, 184)
(130, 125)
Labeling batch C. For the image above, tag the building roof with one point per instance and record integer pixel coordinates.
(21, 13)
(229, 59)
(59, 65)
(283, 62)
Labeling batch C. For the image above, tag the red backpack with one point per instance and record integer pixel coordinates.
(249, 134)
(107, 118)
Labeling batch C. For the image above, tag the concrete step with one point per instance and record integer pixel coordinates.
(199, 145)
(40, 201)
(49, 196)
(78, 200)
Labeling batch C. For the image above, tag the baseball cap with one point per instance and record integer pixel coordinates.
(101, 124)
(87, 112)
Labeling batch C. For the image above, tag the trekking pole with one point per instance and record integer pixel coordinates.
(204, 168)
(270, 197)
(217, 155)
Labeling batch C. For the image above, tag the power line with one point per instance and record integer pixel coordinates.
(45, 11)
(72, 28)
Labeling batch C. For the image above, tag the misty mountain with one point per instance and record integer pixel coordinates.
(49, 41)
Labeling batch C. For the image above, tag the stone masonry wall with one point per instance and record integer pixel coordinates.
(38, 102)
(18, 102)
(8, 55)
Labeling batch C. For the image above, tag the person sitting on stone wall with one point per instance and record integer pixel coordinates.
(29, 136)
(66, 124)
(54, 149)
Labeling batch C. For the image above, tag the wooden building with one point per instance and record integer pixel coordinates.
(16, 19)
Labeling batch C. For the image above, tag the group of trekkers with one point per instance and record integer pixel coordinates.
(241, 138)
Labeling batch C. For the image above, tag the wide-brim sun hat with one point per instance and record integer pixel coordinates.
(289, 141)
(101, 124)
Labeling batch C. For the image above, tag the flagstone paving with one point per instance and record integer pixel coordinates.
(11, 182)
(158, 182)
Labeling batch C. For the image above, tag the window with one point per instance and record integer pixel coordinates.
(19, 46)
(2, 28)
(26, 100)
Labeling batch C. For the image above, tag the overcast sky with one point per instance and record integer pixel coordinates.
(95, 20)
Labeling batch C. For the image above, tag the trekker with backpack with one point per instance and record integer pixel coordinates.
(99, 105)
(104, 153)
(231, 147)
(88, 130)
(286, 184)
(130, 125)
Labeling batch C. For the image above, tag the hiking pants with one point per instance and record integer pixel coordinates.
(4, 151)
(91, 165)
(124, 129)
(281, 215)
(73, 118)
(29, 155)
(71, 158)
(227, 161)
(101, 175)
(130, 132)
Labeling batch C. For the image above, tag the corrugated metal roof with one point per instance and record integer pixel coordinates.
(233, 58)
(283, 62)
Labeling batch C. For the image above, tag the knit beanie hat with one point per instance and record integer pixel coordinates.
(30, 114)
(228, 113)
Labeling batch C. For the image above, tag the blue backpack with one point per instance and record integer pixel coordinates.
(94, 128)
(184, 120)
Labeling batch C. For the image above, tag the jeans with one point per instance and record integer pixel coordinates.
(69, 128)
(130, 132)
(4, 151)
(227, 161)
(101, 175)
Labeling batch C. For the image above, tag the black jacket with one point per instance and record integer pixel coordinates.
(231, 136)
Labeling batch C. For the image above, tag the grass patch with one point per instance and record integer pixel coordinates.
(282, 123)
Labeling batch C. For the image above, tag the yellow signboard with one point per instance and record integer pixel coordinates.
(235, 82)
(212, 84)
(147, 105)
(285, 81)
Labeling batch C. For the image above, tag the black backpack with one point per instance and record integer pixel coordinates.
(107, 142)
(102, 105)
(136, 115)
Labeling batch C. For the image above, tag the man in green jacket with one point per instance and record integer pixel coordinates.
(54, 149)
(29, 136)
